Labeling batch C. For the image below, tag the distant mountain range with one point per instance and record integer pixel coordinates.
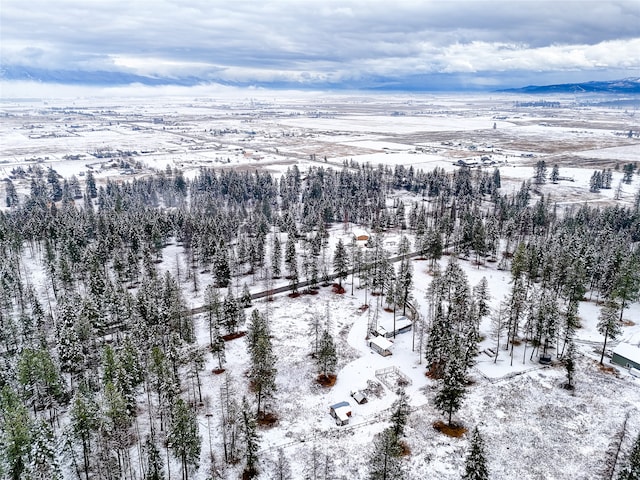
(626, 86)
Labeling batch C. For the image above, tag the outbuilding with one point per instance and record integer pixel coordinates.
(402, 325)
(626, 355)
(341, 412)
(359, 397)
(380, 345)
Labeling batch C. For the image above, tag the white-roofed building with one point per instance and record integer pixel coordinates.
(626, 355)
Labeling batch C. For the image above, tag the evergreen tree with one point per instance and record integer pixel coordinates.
(281, 467)
(290, 255)
(263, 370)
(276, 256)
(232, 315)
(213, 308)
(90, 188)
(43, 462)
(451, 390)
(340, 262)
(326, 358)
(482, 297)
(183, 437)
(540, 175)
(400, 413)
(569, 362)
(631, 470)
(555, 173)
(609, 324)
(405, 284)
(221, 269)
(245, 298)
(385, 462)
(11, 196)
(475, 467)
(15, 437)
(230, 420)
(154, 470)
(84, 421)
(251, 439)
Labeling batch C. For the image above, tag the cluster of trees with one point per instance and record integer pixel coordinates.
(455, 312)
(108, 331)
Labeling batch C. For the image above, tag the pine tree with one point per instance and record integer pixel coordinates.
(482, 296)
(290, 256)
(245, 298)
(251, 439)
(326, 358)
(451, 390)
(231, 313)
(15, 440)
(569, 362)
(281, 467)
(213, 307)
(90, 188)
(84, 421)
(276, 256)
(555, 173)
(385, 462)
(400, 413)
(183, 437)
(340, 262)
(229, 420)
(11, 196)
(43, 462)
(540, 175)
(475, 467)
(631, 471)
(263, 370)
(405, 283)
(154, 470)
(221, 269)
(609, 324)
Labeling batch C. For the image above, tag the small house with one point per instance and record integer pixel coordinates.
(341, 412)
(626, 355)
(380, 345)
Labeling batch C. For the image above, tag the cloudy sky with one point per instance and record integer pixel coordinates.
(411, 45)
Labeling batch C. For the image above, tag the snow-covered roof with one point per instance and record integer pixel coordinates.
(342, 413)
(381, 342)
(628, 351)
(401, 322)
(358, 396)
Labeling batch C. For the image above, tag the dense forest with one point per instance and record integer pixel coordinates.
(93, 335)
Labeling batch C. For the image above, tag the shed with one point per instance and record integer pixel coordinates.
(626, 355)
(402, 325)
(359, 397)
(341, 411)
(380, 345)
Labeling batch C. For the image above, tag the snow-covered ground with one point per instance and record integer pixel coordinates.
(533, 428)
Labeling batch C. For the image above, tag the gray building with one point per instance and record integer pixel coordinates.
(626, 355)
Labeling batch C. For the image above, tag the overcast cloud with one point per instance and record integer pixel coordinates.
(335, 43)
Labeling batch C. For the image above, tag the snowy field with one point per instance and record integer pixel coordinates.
(533, 428)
